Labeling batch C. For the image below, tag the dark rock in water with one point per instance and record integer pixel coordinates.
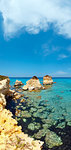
(11, 105)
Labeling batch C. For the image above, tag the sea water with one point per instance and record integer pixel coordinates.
(46, 114)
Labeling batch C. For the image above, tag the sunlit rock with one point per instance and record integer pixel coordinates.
(47, 80)
(11, 136)
(2, 101)
(32, 84)
(25, 88)
(4, 85)
(17, 95)
(18, 83)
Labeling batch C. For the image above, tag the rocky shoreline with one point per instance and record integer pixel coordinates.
(11, 135)
(25, 110)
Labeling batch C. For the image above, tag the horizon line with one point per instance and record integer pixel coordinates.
(37, 76)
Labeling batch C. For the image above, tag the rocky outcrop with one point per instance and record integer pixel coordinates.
(47, 80)
(11, 136)
(4, 85)
(18, 83)
(32, 84)
(15, 95)
(2, 101)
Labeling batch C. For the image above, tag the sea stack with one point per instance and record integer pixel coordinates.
(32, 84)
(18, 83)
(47, 80)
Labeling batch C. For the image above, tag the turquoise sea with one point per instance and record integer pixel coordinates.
(46, 115)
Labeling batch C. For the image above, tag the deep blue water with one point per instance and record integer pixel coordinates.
(54, 105)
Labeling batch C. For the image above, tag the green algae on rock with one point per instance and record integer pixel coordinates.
(52, 139)
(34, 126)
(41, 133)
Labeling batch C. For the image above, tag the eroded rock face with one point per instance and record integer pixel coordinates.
(47, 80)
(32, 84)
(11, 136)
(2, 101)
(15, 95)
(4, 85)
(18, 83)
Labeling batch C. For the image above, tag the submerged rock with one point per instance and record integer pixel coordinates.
(34, 126)
(52, 139)
(47, 80)
(38, 97)
(40, 134)
(25, 114)
(33, 109)
(61, 125)
(24, 120)
(47, 123)
(69, 123)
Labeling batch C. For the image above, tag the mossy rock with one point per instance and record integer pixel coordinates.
(40, 134)
(34, 126)
(52, 139)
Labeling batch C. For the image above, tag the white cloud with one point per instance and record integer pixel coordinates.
(61, 73)
(35, 15)
(62, 56)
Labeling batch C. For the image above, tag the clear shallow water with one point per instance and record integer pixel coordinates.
(47, 111)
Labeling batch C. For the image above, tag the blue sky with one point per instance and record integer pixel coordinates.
(39, 46)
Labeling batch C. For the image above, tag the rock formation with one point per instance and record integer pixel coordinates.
(32, 84)
(15, 95)
(4, 85)
(2, 101)
(47, 80)
(11, 135)
(18, 83)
